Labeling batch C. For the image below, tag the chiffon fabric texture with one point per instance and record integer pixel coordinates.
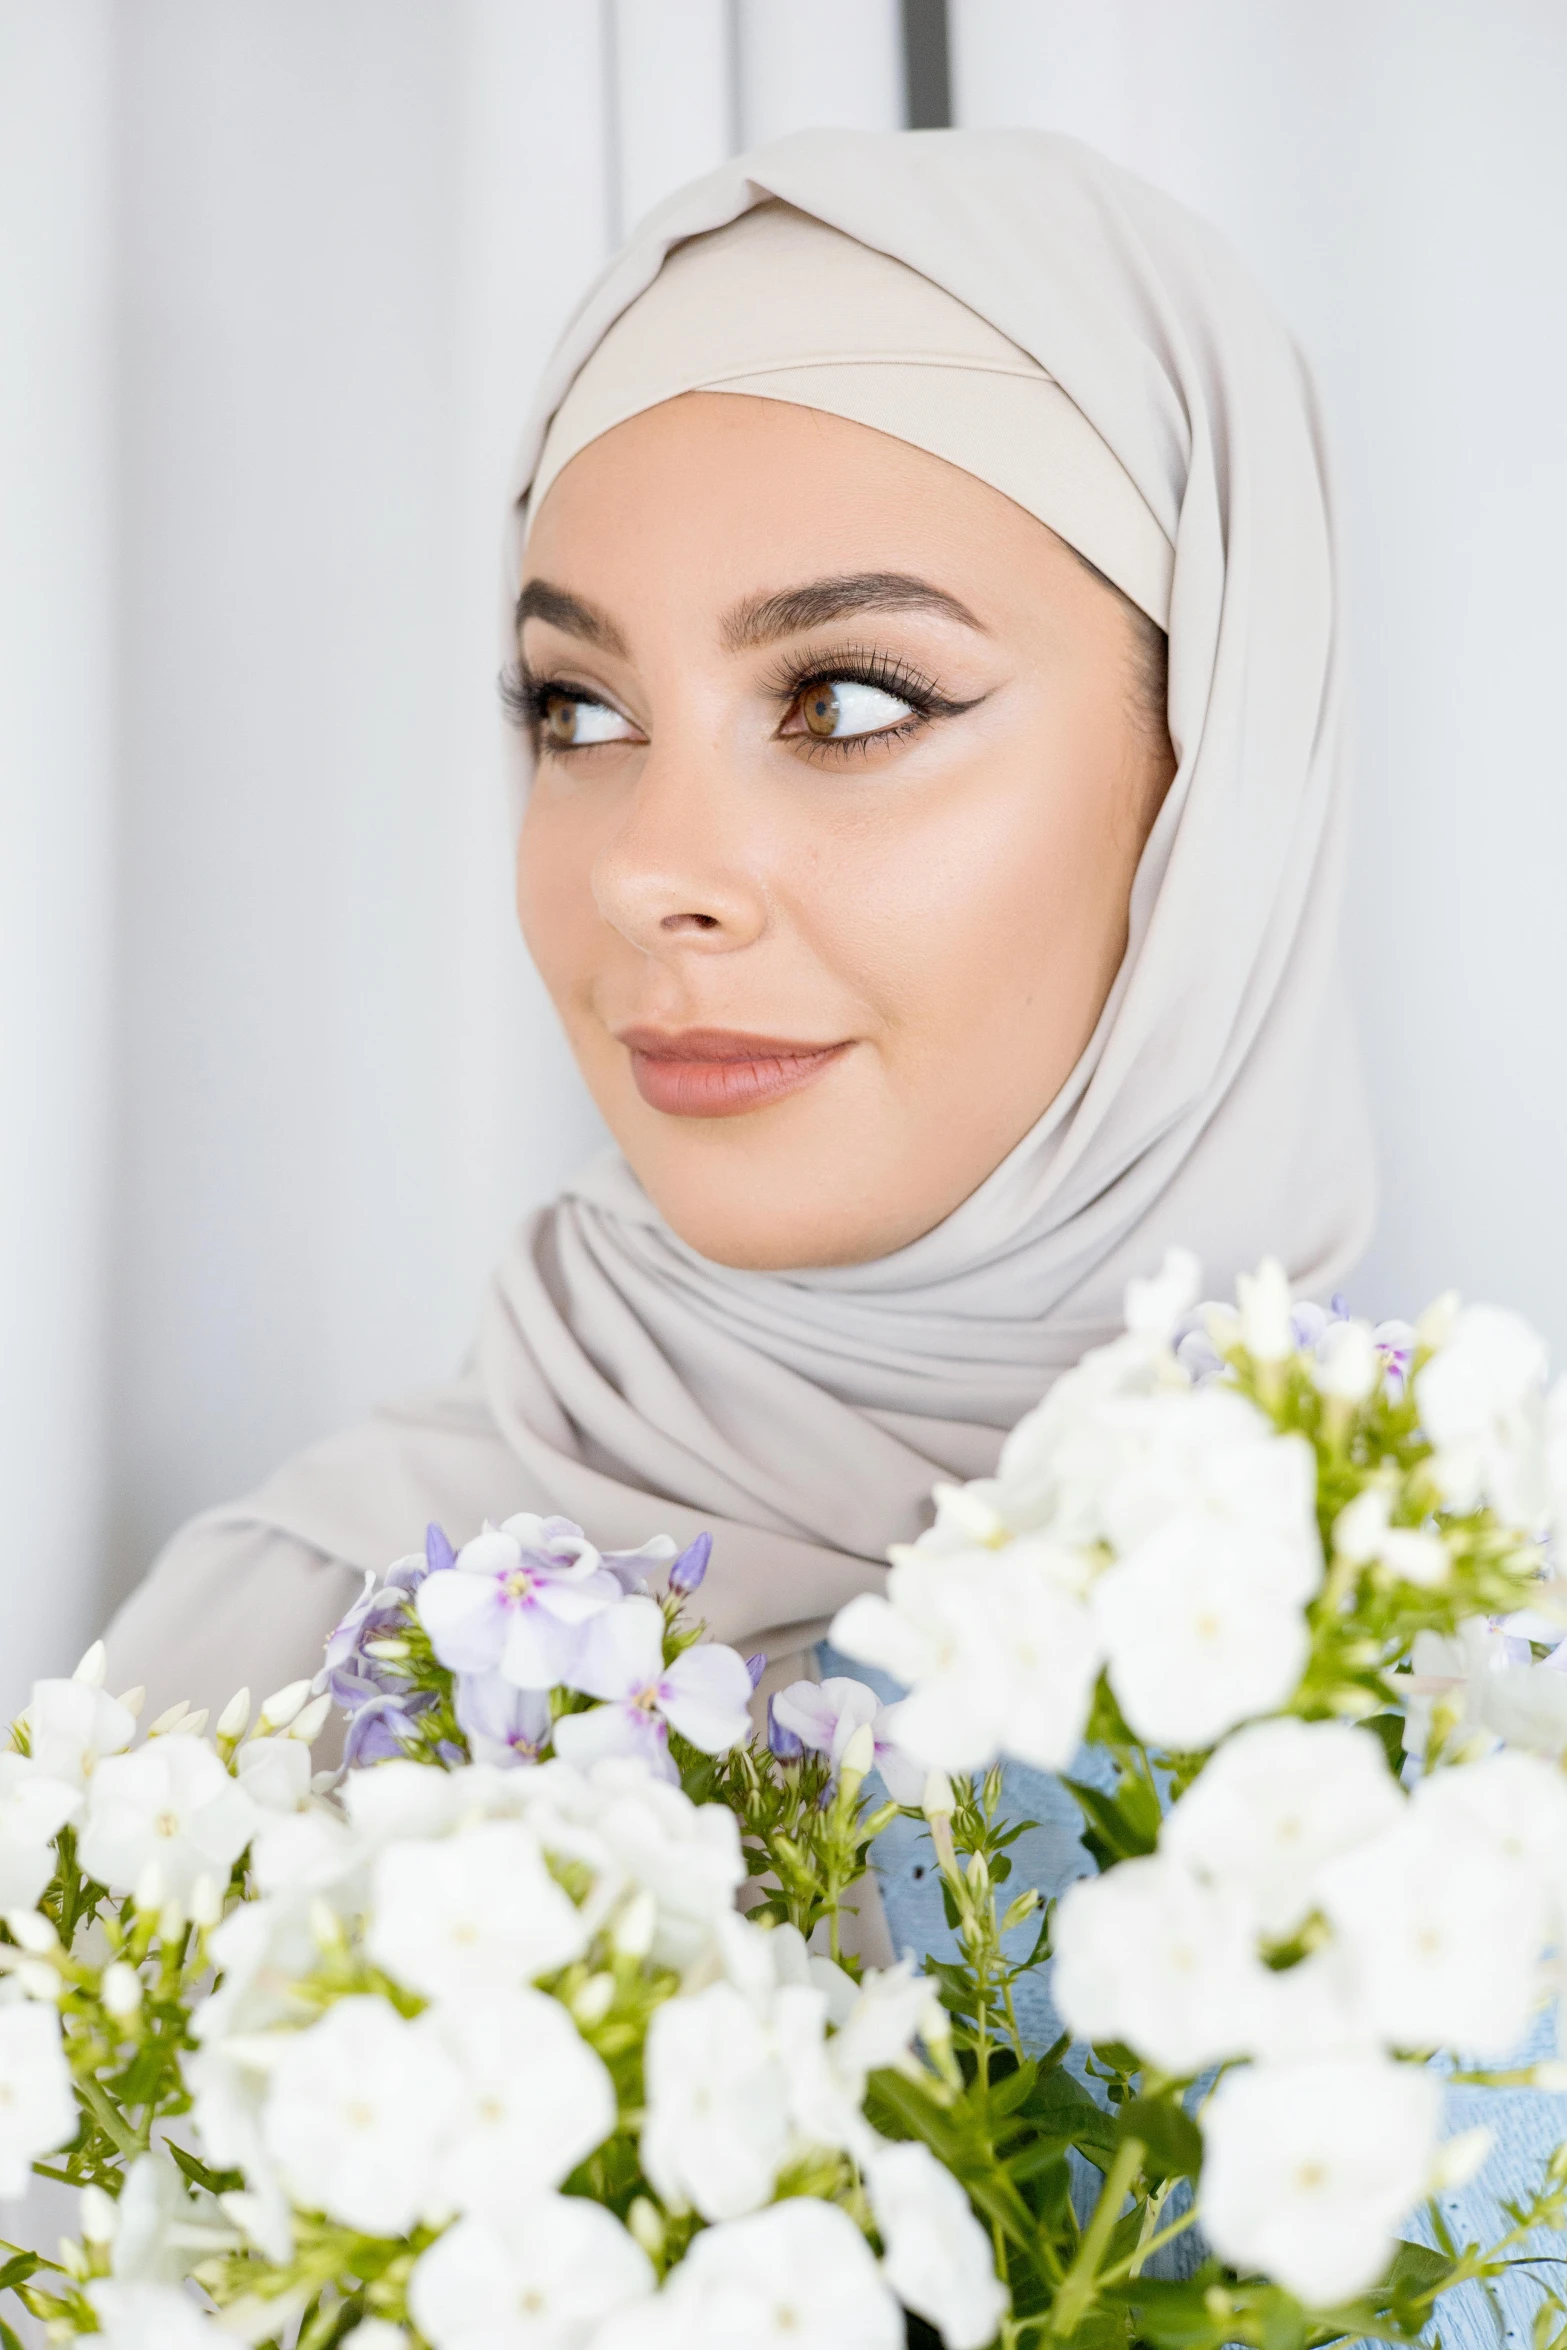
(621, 1380)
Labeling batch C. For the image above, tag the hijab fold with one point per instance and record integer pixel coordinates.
(623, 1381)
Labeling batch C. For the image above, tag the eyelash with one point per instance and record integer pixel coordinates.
(525, 697)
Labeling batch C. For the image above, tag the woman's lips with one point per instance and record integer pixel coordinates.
(719, 1073)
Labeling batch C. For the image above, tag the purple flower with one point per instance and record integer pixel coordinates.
(685, 1576)
(353, 1677)
(501, 1724)
(756, 1666)
(375, 1732)
(785, 1743)
(517, 1601)
(824, 1715)
(629, 1567)
(704, 1694)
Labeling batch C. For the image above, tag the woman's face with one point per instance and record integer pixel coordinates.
(843, 776)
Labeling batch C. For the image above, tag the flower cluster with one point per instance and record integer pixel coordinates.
(529, 1642)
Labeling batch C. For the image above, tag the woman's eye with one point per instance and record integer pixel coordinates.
(567, 721)
(838, 709)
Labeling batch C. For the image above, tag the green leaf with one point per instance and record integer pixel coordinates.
(8, 2340)
(1060, 2108)
(1122, 1826)
(216, 2182)
(1285, 2324)
(1172, 2138)
(1389, 1727)
(17, 2271)
(1416, 2269)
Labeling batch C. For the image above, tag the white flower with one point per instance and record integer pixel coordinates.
(1202, 1632)
(1443, 1932)
(37, 2107)
(1363, 1533)
(399, 1801)
(538, 2099)
(478, 1911)
(938, 2258)
(516, 1601)
(275, 1773)
(152, 2317)
(1309, 2168)
(1516, 1803)
(998, 1654)
(717, 2127)
(227, 2104)
(375, 2333)
(1156, 1306)
(561, 2266)
(892, 2006)
(71, 1726)
(799, 2276)
(1264, 1301)
(1348, 1366)
(1488, 1682)
(33, 1810)
(356, 2111)
(1277, 1801)
(161, 2227)
(1148, 1955)
(171, 1803)
(1482, 1404)
(704, 1694)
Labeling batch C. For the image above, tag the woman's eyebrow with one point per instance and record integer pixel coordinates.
(540, 601)
(762, 620)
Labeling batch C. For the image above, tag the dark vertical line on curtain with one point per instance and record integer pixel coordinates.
(927, 66)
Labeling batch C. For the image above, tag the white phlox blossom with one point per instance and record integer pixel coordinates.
(357, 2111)
(72, 1726)
(718, 2126)
(275, 1773)
(1309, 2168)
(1442, 1928)
(473, 1912)
(1203, 1631)
(170, 1805)
(1365, 1535)
(1490, 1685)
(1150, 1955)
(537, 2099)
(162, 2226)
(824, 1716)
(152, 2317)
(1278, 1801)
(798, 2276)
(999, 1654)
(33, 1810)
(1482, 1404)
(546, 2281)
(937, 2258)
(37, 2107)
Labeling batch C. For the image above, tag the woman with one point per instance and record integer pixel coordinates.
(933, 962)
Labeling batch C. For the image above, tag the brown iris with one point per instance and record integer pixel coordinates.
(559, 722)
(819, 709)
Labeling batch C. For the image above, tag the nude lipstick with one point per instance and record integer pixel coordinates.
(719, 1072)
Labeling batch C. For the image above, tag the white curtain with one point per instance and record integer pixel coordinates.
(274, 278)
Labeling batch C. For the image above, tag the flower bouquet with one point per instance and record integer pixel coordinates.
(537, 2027)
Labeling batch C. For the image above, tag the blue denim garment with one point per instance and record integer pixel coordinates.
(1528, 2125)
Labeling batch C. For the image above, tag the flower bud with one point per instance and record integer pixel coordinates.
(1550, 2076)
(97, 2216)
(594, 2001)
(1348, 1366)
(756, 1666)
(1435, 1326)
(935, 2023)
(636, 1925)
(1264, 1301)
(938, 1801)
(234, 1720)
(281, 1707)
(785, 1743)
(978, 1872)
(171, 1920)
(206, 1902)
(326, 1925)
(173, 1718)
(195, 1723)
(150, 1888)
(73, 2260)
(31, 1930)
(93, 1667)
(1457, 2159)
(120, 1990)
(438, 1552)
(859, 1756)
(308, 1724)
(38, 1979)
(685, 1576)
(133, 1700)
(1360, 1528)
(647, 2225)
(1021, 1909)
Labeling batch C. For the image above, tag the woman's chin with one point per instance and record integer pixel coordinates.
(767, 1217)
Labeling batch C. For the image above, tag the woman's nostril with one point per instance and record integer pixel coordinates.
(689, 922)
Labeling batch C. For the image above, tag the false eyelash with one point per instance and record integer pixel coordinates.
(864, 665)
(524, 695)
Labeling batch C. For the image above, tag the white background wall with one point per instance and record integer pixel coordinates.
(274, 278)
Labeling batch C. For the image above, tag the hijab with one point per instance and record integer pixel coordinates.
(1016, 304)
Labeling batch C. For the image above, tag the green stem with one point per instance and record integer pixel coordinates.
(112, 2124)
(1132, 2265)
(1082, 2278)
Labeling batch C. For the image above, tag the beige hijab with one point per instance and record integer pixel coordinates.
(1101, 357)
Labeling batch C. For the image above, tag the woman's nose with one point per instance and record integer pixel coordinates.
(674, 874)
